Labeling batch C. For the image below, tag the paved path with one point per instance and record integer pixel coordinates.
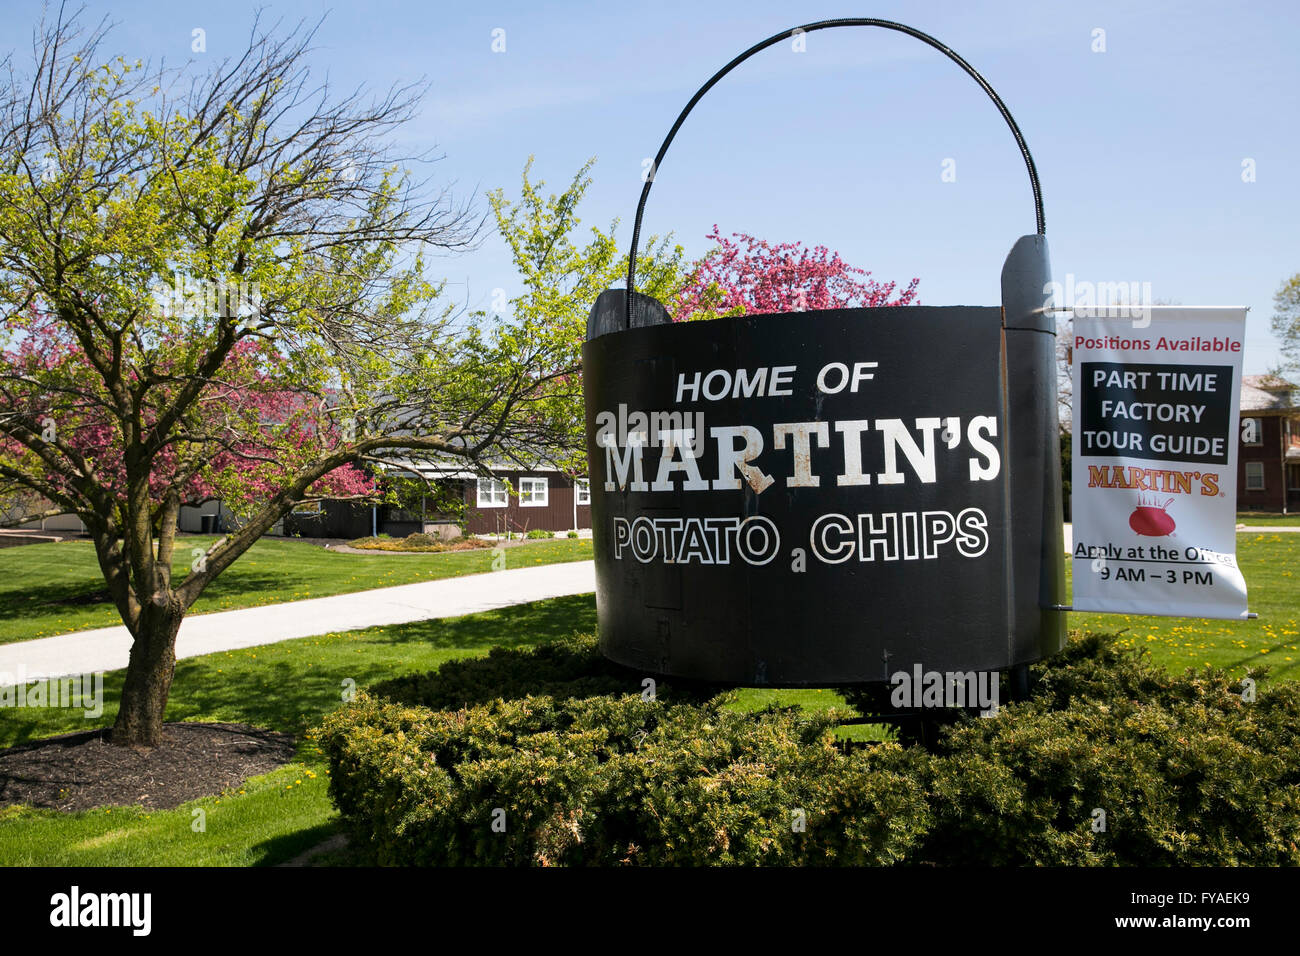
(108, 648)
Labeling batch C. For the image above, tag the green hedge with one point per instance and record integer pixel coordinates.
(587, 772)
(562, 669)
(1186, 771)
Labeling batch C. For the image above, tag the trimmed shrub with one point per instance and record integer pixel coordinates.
(1185, 770)
(565, 669)
(538, 533)
(557, 745)
(609, 780)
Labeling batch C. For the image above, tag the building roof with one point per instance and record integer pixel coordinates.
(435, 468)
(1266, 393)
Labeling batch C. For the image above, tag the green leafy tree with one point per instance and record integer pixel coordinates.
(561, 281)
(119, 183)
(413, 493)
(1286, 321)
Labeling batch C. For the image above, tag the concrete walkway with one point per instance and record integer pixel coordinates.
(108, 648)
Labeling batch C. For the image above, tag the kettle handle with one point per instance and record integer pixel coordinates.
(808, 28)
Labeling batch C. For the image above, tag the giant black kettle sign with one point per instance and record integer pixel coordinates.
(1155, 463)
(809, 498)
(832, 496)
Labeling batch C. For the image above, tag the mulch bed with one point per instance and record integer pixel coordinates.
(83, 770)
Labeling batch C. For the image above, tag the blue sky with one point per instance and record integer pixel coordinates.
(1139, 148)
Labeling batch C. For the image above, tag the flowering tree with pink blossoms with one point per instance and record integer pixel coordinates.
(245, 434)
(746, 275)
(214, 285)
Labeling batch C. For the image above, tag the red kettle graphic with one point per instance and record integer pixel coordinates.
(1150, 519)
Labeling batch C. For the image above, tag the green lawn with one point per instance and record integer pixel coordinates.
(290, 685)
(286, 686)
(54, 588)
(1257, 518)
(1271, 563)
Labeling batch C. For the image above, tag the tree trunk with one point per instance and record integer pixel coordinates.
(149, 677)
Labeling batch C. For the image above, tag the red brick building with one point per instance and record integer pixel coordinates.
(1268, 453)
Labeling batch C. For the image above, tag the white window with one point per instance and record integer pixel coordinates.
(1252, 431)
(582, 488)
(1254, 476)
(491, 493)
(532, 492)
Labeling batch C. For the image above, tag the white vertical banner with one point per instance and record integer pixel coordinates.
(1154, 477)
